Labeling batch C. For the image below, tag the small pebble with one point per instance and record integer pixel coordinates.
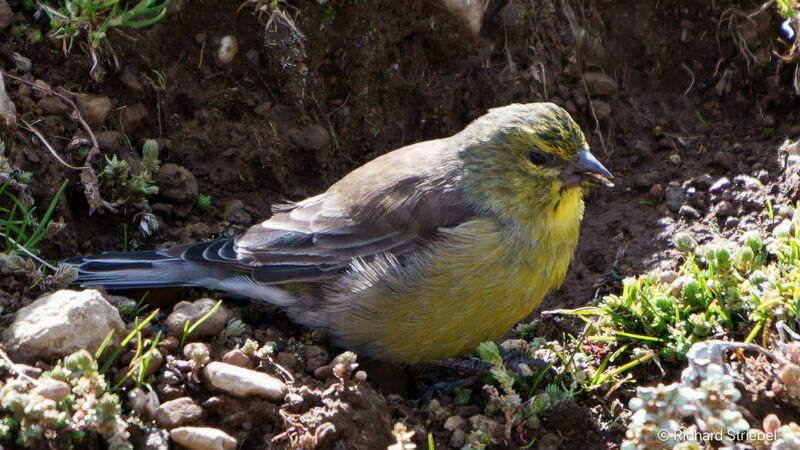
(228, 48)
(53, 389)
(719, 185)
(178, 412)
(703, 182)
(203, 438)
(689, 212)
(725, 209)
(237, 357)
(244, 383)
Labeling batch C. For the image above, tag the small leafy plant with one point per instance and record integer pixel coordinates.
(93, 19)
(20, 231)
(32, 420)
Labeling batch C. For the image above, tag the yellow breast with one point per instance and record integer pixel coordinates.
(473, 286)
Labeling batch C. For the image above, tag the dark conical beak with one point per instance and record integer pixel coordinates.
(585, 167)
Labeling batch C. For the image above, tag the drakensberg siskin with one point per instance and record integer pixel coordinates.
(419, 254)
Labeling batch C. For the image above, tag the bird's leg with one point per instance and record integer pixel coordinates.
(473, 369)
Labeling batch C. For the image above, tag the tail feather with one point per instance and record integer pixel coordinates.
(144, 269)
(157, 269)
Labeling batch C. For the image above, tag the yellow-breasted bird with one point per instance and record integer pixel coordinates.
(422, 253)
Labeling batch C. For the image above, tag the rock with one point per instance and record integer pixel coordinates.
(93, 108)
(316, 356)
(789, 153)
(458, 438)
(8, 113)
(295, 401)
(58, 324)
(178, 186)
(675, 196)
(52, 389)
(312, 137)
(30, 371)
(169, 344)
(470, 11)
(236, 213)
(482, 423)
(725, 209)
(52, 106)
(698, 200)
(703, 182)
(109, 141)
(719, 185)
(644, 147)
(667, 277)
(731, 222)
(677, 286)
(163, 210)
(192, 311)
(8, 126)
(324, 372)
(600, 84)
(747, 182)
(156, 360)
(167, 392)
(129, 77)
(5, 15)
(243, 383)
(203, 438)
(288, 361)
(133, 117)
(143, 402)
(723, 160)
(602, 110)
(454, 422)
(656, 193)
(689, 212)
(236, 357)
(175, 413)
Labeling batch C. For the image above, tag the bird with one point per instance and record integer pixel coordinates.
(419, 254)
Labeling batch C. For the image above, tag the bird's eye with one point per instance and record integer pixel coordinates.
(537, 157)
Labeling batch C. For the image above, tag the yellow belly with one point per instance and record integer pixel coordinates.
(472, 286)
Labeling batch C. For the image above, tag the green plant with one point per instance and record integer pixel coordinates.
(34, 36)
(188, 329)
(20, 232)
(162, 80)
(31, 420)
(204, 202)
(71, 19)
(722, 290)
(787, 8)
(135, 189)
(137, 329)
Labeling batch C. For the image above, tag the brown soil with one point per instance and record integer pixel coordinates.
(384, 74)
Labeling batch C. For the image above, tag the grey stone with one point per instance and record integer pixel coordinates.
(58, 324)
(243, 383)
(192, 312)
(311, 137)
(203, 438)
(93, 108)
(175, 413)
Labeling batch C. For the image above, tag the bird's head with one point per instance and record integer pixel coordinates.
(521, 159)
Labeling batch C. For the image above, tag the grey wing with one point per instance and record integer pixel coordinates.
(315, 239)
(389, 205)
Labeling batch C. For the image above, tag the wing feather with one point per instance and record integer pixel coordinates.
(388, 206)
